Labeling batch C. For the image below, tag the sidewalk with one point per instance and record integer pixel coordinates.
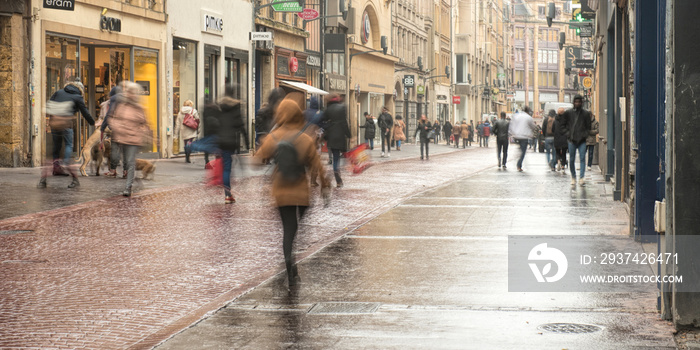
(430, 273)
(20, 195)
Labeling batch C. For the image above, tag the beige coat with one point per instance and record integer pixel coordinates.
(290, 121)
(399, 126)
(183, 131)
(129, 125)
(465, 130)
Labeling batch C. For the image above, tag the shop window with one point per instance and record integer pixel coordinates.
(184, 81)
(146, 75)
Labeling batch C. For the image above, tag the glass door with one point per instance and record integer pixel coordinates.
(211, 60)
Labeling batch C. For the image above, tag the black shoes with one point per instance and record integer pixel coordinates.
(127, 192)
(74, 183)
(293, 276)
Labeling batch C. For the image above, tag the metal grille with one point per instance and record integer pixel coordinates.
(14, 232)
(569, 328)
(344, 308)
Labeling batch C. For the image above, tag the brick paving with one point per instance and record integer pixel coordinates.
(120, 272)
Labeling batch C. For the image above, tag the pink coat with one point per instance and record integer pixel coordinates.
(129, 125)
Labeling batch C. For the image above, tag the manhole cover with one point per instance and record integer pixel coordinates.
(569, 328)
(344, 308)
(14, 232)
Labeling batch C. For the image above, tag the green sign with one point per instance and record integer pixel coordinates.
(420, 90)
(286, 6)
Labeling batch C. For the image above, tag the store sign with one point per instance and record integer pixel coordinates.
(313, 61)
(366, 28)
(587, 82)
(110, 24)
(260, 36)
(212, 23)
(588, 64)
(334, 43)
(420, 90)
(457, 99)
(67, 5)
(337, 84)
(293, 64)
(308, 14)
(572, 54)
(409, 81)
(586, 30)
(285, 6)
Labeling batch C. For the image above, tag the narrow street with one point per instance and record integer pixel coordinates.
(414, 252)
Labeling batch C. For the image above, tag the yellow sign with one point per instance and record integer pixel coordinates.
(575, 13)
(587, 82)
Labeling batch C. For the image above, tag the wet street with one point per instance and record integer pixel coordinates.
(410, 254)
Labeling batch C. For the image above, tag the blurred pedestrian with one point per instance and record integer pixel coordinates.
(470, 127)
(291, 194)
(337, 132)
(386, 124)
(465, 134)
(61, 109)
(370, 130)
(115, 95)
(399, 134)
(480, 133)
(230, 130)
(577, 125)
(457, 132)
(561, 145)
(265, 116)
(437, 130)
(500, 129)
(592, 140)
(424, 129)
(521, 127)
(447, 131)
(548, 131)
(486, 129)
(130, 129)
(187, 133)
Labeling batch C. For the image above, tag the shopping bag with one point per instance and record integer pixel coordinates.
(359, 158)
(215, 172)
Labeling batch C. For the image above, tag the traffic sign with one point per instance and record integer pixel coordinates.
(308, 14)
(286, 6)
(587, 82)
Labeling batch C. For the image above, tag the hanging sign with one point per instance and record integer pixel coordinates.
(308, 14)
(293, 64)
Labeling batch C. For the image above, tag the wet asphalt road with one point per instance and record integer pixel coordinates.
(420, 244)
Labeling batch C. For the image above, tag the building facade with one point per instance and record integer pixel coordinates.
(206, 52)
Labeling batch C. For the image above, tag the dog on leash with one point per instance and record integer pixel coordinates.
(147, 167)
(91, 151)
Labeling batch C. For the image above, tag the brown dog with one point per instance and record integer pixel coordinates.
(86, 155)
(147, 167)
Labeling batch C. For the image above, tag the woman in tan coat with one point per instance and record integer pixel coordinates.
(456, 133)
(129, 129)
(465, 134)
(399, 135)
(292, 196)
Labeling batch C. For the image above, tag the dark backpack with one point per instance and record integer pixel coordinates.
(287, 159)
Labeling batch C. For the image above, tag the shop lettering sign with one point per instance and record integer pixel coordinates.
(293, 64)
(110, 24)
(456, 99)
(313, 61)
(212, 23)
(67, 5)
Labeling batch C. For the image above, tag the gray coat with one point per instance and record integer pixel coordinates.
(591, 139)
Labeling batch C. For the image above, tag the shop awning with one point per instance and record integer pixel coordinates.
(301, 86)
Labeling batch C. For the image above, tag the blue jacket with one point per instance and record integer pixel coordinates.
(72, 94)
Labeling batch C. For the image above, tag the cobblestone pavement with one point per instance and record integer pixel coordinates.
(110, 272)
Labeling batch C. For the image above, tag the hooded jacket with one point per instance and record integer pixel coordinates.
(231, 126)
(184, 131)
(265, 117)
(370, 128)
(577, 123)
(447, 129)
(591, 139)
(290, 122)
(337, 130)
(386, 122)
(312, 114)
(70, 100)
(521, 126)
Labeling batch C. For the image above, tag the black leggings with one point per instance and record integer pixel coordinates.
(561, 155)
(291, 215)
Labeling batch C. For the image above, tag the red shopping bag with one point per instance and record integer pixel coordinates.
(215, 172)
(359, 158)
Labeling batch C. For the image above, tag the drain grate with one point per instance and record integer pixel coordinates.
(14, 232)
(344, 308)
(569, 328)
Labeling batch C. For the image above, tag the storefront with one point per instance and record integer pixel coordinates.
(208, 54)
(99, 48)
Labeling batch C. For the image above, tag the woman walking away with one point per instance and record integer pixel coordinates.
(399, 135)
(187, 126)
(129, 129)
(424, 128)
(465, 134)
(457, 133)
(337, 132)
(561, 144)
(290, 188)
(437, 129)
(228, 138)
